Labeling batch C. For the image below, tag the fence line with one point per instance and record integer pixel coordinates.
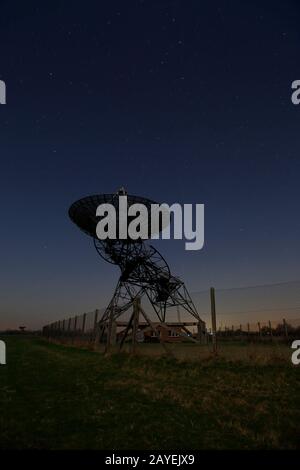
(80, 326)
(275, 301)
(84, 328)
(285, 328)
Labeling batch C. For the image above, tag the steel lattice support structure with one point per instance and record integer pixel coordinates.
(144, 272)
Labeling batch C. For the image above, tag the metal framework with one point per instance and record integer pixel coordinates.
(144, 272)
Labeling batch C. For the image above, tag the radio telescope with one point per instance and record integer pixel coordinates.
(144, 271)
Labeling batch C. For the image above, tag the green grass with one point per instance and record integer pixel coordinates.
(58, 397)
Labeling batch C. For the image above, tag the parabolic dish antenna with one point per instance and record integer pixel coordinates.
(144, 271)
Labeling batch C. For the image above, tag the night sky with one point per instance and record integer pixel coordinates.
(185, 102)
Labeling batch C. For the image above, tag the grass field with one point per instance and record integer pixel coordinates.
(58, 397)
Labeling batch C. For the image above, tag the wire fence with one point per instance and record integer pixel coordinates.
(256, 312)
(262, 330)
(252, 304)
(81, 327)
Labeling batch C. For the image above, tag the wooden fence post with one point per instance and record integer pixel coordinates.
(75, 328)
(271, 332)
(109, 328)
(83, 323)
(96, 319)
(201, 334)
(285, 328)
(136, 314)
(94, 333)
(259, 330)
(213, 319)
(69, 327)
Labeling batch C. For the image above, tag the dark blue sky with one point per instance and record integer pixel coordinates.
(177, 101)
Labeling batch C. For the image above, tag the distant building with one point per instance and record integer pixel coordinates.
(170, 332)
